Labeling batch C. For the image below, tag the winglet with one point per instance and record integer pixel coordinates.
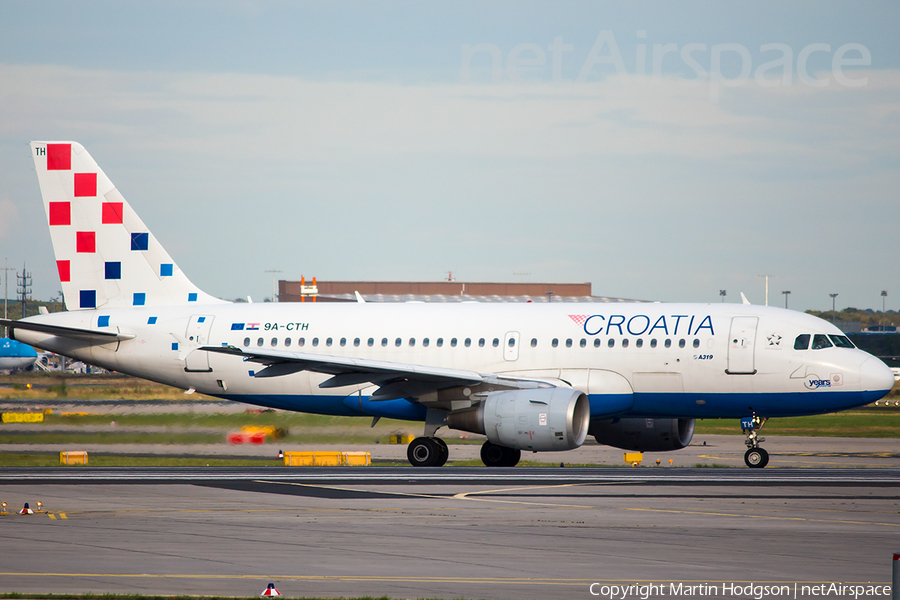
(359, 298)
(744, 298)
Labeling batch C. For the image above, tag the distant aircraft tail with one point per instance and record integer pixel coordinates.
(105, 255)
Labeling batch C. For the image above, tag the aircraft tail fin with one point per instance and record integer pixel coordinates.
(105, 255)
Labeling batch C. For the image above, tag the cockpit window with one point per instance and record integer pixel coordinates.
(841, 341)
(802, 342)
(820, 340)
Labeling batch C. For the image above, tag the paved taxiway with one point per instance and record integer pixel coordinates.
(450, 533)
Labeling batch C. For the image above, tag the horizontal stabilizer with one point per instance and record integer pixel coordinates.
(91, 335)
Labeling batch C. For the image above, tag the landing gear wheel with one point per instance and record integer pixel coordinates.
(424, 452)
(444, 452)
(493, 455)
(756, 458)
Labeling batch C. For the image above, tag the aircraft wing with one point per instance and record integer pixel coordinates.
(395, 380)
(88, 335)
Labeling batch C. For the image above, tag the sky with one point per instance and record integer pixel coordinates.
(661, 151)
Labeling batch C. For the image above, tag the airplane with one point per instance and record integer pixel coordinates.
(15, 355)
(529, 376)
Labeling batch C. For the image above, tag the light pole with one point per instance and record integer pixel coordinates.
(833, 296)
(883, 298)
(722, 293)
(274, 283)
(767, 287)
(786, 294)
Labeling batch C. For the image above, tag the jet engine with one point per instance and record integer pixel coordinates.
(540, 419)
(644, 435)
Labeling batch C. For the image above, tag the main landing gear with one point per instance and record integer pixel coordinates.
(493, 455)
(433, 452)
(755, 457)
(427, 452)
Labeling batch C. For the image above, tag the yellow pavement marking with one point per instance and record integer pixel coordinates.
(51, 515)
(716, 514)
(400, 579)
(63, 516)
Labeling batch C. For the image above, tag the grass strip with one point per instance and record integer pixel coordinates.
(170, 597)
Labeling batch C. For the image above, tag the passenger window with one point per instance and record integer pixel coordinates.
(246, 341)
(681, 343)
(841, 341)
(534, 342)
(301, 342)
(696, 343)
(412, 342)
(356, 341)
(425, 342)
(639, 342)
(625, 343)
(820, 341)
(384, 342)
(495, 343)
(512, 342)
(453, 342)
(274, 342)
(569, 343)
(439, 343)
(611, 343)
(653, 343)
(583, 343)
(481, 342)
(596, 342)
(668, 343)
(468, 342)
(328, 342)
(287, 342)
(398, 342)
(315, 342)
(343, 342)
(371, 342)
(260, 342)
(554, 343)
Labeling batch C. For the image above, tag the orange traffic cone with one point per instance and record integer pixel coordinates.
(270, 591)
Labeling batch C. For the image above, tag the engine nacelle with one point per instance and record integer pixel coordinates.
(644, 435)
(541, 419)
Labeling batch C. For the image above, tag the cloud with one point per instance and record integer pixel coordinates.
(9, 217)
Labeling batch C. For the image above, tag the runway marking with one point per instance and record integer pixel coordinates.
(465, 495)
(433, 496)
(715, 514)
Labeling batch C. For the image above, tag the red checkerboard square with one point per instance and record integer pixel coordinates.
(112, 213)
(59, 157)
(85, 184)
(64, 270)
(85, 241)
(60, 213)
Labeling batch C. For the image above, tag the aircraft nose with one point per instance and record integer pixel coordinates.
(874, 375)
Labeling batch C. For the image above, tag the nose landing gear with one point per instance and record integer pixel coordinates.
(755, 457)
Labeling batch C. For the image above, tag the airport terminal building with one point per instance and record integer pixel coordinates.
(437, 291)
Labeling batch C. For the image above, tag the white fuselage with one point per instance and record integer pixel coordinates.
(641, 359)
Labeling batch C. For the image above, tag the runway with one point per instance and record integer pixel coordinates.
(442, 533)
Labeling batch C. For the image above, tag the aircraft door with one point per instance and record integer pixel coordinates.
(198, 333)
(741, 346)
(511, 346)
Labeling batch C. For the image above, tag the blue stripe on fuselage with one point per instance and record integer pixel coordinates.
(655, 404)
